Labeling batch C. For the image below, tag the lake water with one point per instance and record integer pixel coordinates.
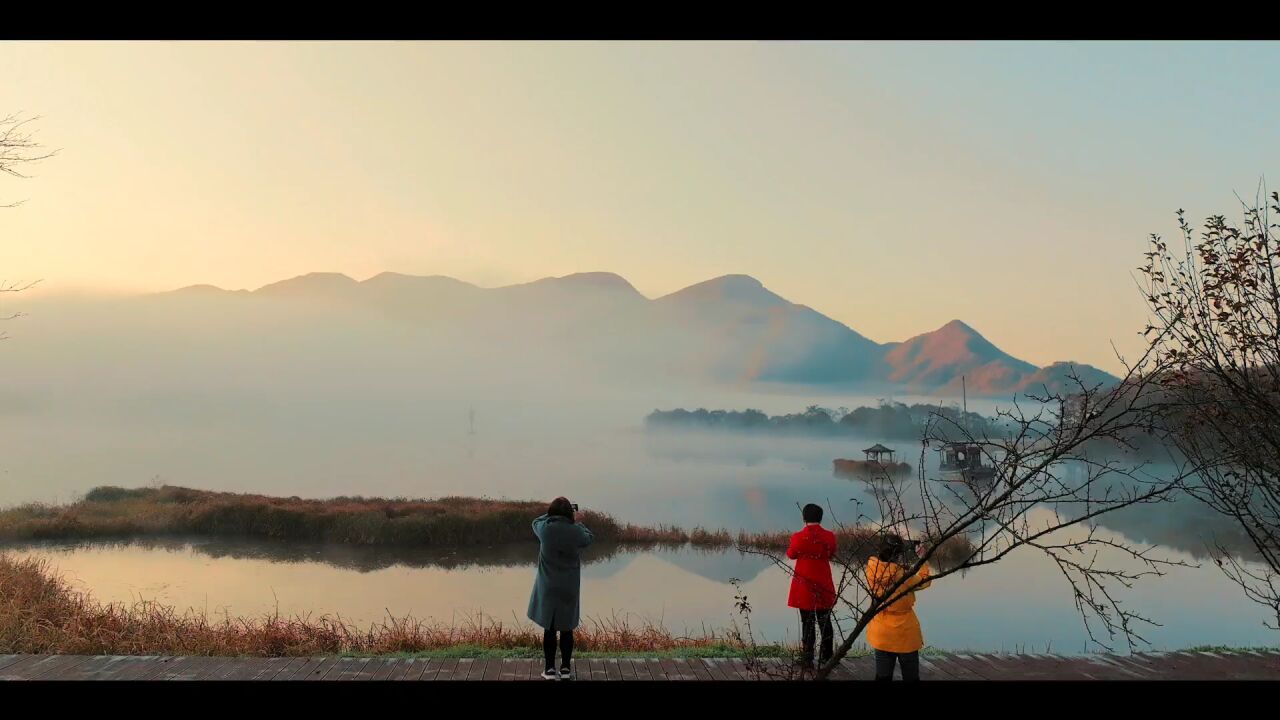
(734, 482)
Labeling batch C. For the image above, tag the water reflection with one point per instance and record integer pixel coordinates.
(601, 560)
(1020, 602)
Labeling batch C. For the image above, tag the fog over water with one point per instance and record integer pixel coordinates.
(318, 398)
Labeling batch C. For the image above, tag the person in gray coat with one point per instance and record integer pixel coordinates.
(553, 605)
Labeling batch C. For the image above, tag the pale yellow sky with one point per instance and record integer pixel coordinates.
(891, 186)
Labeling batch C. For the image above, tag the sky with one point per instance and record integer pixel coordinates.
(891, 186)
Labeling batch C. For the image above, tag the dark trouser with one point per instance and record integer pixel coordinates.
(549, 647)
(823, 618)
(910, 663)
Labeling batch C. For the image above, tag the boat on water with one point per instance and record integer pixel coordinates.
(879, 464)
(962, 462)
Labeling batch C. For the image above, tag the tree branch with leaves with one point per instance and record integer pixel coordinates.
(1214, 307)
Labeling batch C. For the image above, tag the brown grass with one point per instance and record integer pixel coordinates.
(113, 512)
(41, 613)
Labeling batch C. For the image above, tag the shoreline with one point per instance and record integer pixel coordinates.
(114, 513)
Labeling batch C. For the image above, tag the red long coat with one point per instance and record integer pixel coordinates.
(811, 587)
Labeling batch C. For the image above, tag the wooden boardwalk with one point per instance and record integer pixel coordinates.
(1257, 665)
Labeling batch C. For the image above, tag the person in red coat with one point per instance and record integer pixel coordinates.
(812, 591)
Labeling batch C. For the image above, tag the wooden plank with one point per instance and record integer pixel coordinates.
(448, 670)
(857, 668)
(728, 669)
(1183, 665)
(203, 668)
(347, 669)
(430, 669)
(463, 668)
(652, 668)
(699, 669)
(189, 667)
(21, 669)
(138, 667)
(993, 669)
(40, 666)
(1237, 666)
(640, 666)
(477, 670)
(1173, 666)
(171, 666)
(1023, 667)
(318, 671)
(26, 665)
(1144, 670)
(714, 668)
(7, 660)
(295, 669)
(380, 669)
(775, 669)
(274, 666)
(1099, 667)
(240, 668)
(1201, 666)
(670, 669)
(740, 669)
(786, 669)
(410, 669)
(512, 669)
(647, 669)
(950, 663)
(97, 667)
(154, 669)
(930, 670)
(976, 669)
(493, 669)
(1249, 666)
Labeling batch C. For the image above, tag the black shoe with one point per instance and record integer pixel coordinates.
(566, 673)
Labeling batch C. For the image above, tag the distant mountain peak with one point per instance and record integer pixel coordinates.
(940, 358)
(597, 279)
(201, 288)
(387, 275)
(580, 282)
(958, 326)
(316, 281)
(395, 278)
(738, 280)
(732, 288)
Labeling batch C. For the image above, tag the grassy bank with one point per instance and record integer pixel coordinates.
(117, 513)
(41, 613)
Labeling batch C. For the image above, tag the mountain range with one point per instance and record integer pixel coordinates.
(728, 329)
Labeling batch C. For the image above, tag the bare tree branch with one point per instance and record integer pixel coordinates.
(1058, 467)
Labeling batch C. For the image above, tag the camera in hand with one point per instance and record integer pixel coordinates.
(575, 507)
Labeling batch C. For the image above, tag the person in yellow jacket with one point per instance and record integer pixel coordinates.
(894, 633)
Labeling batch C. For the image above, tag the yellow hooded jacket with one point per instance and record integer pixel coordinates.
(896, 628)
